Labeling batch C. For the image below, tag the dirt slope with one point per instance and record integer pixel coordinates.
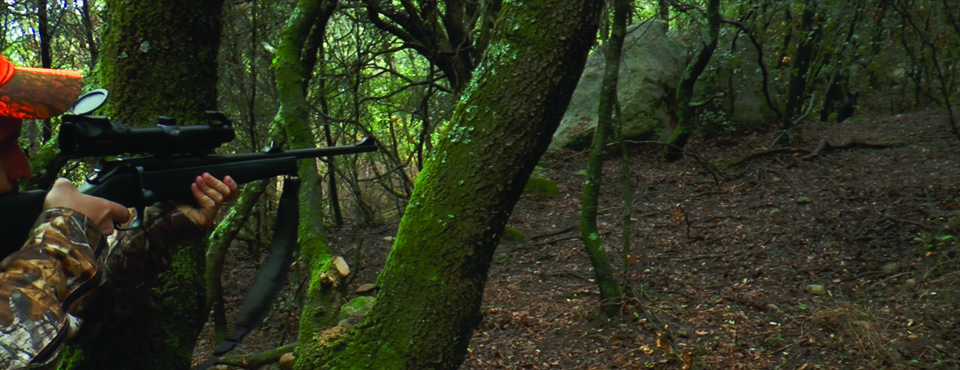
(725, 268)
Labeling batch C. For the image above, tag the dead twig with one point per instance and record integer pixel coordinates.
(552, 233)
(825, 145)
(553, 241)
(905, 221)
(713, 256)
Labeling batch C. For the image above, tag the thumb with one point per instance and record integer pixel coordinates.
(114, 213)
(118, 213)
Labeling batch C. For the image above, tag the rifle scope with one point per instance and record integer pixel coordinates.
(95, 136)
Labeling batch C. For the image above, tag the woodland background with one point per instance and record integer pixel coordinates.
(463, 97)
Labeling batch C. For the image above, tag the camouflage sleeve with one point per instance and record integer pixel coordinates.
(39, 282)
(40, 285)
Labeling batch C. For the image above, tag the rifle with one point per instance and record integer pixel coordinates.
(179, 155)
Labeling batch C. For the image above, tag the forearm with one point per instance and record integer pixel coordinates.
(39, 282)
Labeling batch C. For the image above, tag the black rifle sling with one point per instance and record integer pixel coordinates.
(272, 274)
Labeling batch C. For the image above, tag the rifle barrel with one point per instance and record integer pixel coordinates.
(162, 163)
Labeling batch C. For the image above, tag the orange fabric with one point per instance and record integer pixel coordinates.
(6, 70)
(53, 72)
(32, 93)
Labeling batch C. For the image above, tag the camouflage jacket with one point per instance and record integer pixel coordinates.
(44, 285)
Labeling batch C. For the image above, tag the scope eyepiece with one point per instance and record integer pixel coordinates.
(94, 136)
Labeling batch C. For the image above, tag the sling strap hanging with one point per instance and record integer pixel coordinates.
(272, 274)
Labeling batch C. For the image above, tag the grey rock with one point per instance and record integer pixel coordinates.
(652, 65)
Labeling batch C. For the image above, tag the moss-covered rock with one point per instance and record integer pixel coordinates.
(513, 235)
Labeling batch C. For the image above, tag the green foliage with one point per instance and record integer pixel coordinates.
(935, 243)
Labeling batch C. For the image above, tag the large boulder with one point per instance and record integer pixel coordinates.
(652, 65)
(742, 78)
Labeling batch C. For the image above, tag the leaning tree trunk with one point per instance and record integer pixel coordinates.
(294, 63)
(610, 294)
(686, 114)
(432, 284)
(159, 58)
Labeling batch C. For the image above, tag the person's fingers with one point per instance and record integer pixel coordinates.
(118, 213)
(232, 185)
(203, 200)
(209, 193)
(209, 190)
(106, 213)
(223, 188)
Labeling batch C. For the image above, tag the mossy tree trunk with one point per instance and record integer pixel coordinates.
(296, 56)
(809, 34)
(839, 77)
(686, 114)
(295, 59)
(432, 284)
(225, 232)
(610, 293)
(158, 58)
(663, 10)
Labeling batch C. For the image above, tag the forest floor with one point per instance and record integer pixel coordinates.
(839, 259)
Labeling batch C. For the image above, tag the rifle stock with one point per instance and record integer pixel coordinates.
(141, 182)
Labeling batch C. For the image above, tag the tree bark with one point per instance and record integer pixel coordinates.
(158, 59)
(161, 59)
(603, 270)
(432, 285)
(686, 114)
(320, 306)
(663, 10)
(91, 43)
(220, 240)
(46, 59)
(809, 31)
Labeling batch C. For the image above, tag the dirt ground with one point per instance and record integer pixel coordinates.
(840, 259)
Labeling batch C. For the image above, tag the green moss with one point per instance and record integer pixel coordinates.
(70, 357)
(358, 308)
(542, 186)
(513, 235)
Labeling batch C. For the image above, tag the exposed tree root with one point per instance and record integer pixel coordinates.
(257, 360)
(822, 146)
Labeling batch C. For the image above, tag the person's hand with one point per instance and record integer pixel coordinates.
(210, 194)
(102, 212)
